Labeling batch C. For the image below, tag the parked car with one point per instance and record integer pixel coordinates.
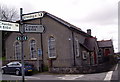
(15, 67)
(118, 58)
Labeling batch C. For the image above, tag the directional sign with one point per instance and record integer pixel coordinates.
(8, 26)
(32, 16)
(34, 28)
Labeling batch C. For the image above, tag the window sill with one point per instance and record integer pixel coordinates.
(33, 58)
(77, 56)
(51, 58)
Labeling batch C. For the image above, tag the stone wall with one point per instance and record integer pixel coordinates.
(80, 70)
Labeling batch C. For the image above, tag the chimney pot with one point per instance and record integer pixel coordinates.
(89, 31)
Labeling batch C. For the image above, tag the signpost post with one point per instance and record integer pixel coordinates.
(29, 28)
(22, 55)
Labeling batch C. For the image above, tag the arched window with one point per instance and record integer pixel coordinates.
(17, 50)
(51, 47)
(77, 47)
(33, 49)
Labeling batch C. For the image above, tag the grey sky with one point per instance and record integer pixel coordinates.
(99, 15)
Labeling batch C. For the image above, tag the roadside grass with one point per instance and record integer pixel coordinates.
(2, 58)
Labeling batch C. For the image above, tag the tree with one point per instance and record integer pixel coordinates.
(7, 14)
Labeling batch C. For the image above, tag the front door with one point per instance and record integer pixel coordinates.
(107, 52)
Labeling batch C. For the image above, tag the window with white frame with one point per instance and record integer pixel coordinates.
(33, 53)
(84, 54)
(77, 47)
(17, 50)
(51, 47)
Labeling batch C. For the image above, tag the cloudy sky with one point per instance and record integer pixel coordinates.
(101, 16)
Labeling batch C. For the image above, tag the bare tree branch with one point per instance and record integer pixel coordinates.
(8, 14)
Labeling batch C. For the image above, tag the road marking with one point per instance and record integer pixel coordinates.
(116, 67)
(108, 75)
(27, 77)
(20, 78)
(32, 77)
(15, 76)
(70, 77)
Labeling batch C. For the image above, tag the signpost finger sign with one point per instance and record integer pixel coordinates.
(8, 26)
(33, 28)
(32, 16)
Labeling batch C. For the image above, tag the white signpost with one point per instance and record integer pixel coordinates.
(8, 26)
(34, 28)
(32, 16)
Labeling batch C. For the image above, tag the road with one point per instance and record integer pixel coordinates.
(105, 76)
(98, 76)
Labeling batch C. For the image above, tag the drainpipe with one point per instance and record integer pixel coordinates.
(73, 49)
(41, 47)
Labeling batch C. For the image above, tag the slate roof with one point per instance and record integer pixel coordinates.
(70, 26)
(62, 21)
(105, 43)
(90, 43)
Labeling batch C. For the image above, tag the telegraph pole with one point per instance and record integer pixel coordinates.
(22, 39)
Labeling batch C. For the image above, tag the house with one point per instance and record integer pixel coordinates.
(64, 47)
(91, 44)
(106, 46)
(105, 49)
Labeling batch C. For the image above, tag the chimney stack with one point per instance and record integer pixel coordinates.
(89, 31)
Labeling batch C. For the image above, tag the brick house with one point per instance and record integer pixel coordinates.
(105, 48)
(63, 45)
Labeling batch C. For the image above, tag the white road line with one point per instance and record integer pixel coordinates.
(20, 78)
(116, 67)
(70, 77)
(108, 75)
(32, 77)
(27, 77)
(15, 76)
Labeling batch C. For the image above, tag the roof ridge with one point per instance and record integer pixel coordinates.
(104, 40)
(63, 21)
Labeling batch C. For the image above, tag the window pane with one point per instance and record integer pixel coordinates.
(33, 49)
(17, 50)
(77, 47)
(51, 47)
